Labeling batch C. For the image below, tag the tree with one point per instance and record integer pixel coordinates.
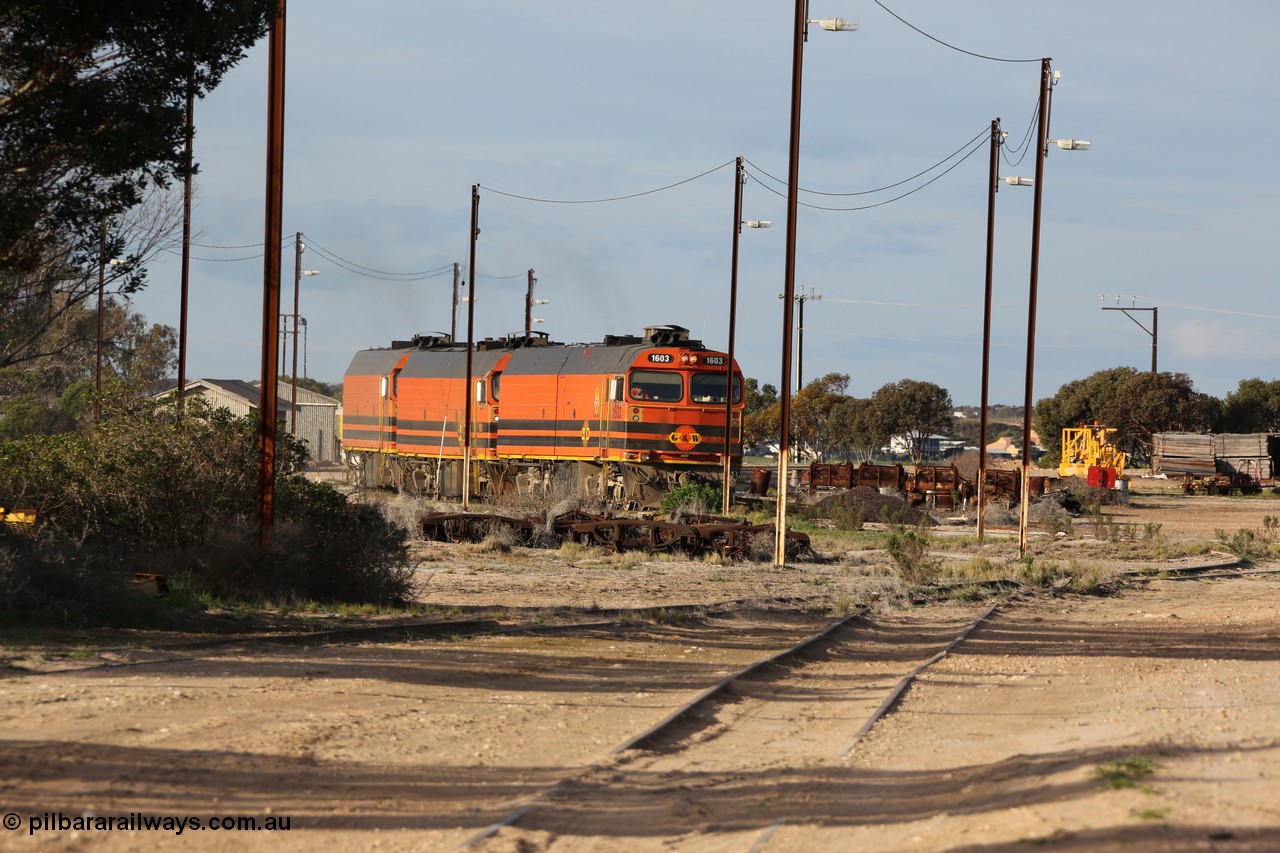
(861, 429)
(914, 410)
(93, 110)
(92, 121)
(1253, 407)
(812, 410)
(1136, 403)
(762, 413)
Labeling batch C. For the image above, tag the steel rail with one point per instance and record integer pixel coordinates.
(666, 723)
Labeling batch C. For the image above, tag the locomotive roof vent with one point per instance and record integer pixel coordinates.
(427, 341)
(665, 336)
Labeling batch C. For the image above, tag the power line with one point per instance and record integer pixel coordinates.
(371, 272)
(614, 198)
(972, 151)
(948, 45)
(982, 134)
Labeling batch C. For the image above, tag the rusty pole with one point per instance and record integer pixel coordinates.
(992, 180)
(727, 499)
(1042, 152)
(186, 244)
(271, 284)
(471, 316)
(789, 286)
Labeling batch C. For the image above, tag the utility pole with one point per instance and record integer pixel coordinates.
(453, 329)
(528, 306)
(297, 281)
(186, 242)
(271, 283)
(801, 298)
(1155, 323)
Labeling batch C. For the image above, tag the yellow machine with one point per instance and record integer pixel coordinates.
(1086, 447)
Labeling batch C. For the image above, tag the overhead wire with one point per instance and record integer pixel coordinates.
(936, 165)
(361, 269)
(948, 44)
(613, 198)
(975, 149)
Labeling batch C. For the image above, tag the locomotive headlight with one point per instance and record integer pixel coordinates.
(693, 359)
(684, 358)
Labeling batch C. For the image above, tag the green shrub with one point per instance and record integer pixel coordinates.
(693, 497)
(909, 550)
(151, 490)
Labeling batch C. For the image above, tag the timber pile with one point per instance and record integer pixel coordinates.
(1182, 453)
(1253, 455)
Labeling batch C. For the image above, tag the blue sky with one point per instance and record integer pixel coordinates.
(394, 109)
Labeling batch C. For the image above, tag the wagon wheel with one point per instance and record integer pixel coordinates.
(606, 533)
(672, 537)
(453, 528)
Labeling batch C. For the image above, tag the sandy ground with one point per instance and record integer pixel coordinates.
(1006, 742)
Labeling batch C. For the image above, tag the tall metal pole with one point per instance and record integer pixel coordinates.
(528, 307)
(789, 286)
(727, 492)
(186, 243)
(453, 329)
(1042, 143)
(1155, 333)
(271, 284)
(471, 315)
(102, 283)
(297, 281)
(992, 180)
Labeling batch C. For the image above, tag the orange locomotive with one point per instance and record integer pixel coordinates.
(626, 420)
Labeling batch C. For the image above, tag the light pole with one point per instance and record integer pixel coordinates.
(801, 33)
(303, 321)
(740, 178)
(1048, 78)
(471, 317)
(529, 302)
(1155, 323)
(298, 273)
(453, 329)
(993, 181)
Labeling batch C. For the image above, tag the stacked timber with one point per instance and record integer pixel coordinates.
(1183, 453)
(1250, 453)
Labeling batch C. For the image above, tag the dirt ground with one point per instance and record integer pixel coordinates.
(1147, 718)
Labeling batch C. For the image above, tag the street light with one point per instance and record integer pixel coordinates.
(1048, 79)
(993, 184)
(298, 273)
(801, 34)
(740, 179)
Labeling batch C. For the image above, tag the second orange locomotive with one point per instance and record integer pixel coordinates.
(626, 419)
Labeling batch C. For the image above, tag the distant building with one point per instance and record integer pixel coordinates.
(317, 415)
(935, 446)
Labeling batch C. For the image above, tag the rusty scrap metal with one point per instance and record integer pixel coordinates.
(692, 535)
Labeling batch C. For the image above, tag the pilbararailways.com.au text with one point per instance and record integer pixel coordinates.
(138, 822)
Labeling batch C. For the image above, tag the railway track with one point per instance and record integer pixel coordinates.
(796, 704)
